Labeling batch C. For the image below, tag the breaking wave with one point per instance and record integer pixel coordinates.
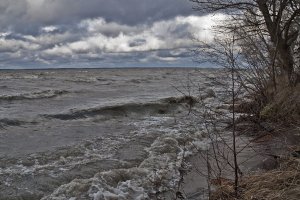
(13, 122)
(155, 177)
(34, 95)
(164, 106)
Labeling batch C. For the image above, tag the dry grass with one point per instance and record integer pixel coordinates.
(285, 106)
(280, 184)
(224, 192)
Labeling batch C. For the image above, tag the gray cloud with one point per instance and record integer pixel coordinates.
(28, 15)
(99, 40)
(132, 32)
(100, 36)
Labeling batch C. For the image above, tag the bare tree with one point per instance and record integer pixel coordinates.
(258, 46)
(277, 21)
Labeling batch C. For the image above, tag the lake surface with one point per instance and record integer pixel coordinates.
(98, 133)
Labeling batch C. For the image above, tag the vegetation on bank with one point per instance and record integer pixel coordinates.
(258, 44)
(280, 183)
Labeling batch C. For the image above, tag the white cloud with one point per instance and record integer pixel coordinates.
(170, 34)
(99, 25)
(49, 29)
(13, 45)
(62, 51)
(94, 38)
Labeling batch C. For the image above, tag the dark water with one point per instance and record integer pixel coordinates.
(97, 133)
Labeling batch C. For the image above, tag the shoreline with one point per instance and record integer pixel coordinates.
(270, 148)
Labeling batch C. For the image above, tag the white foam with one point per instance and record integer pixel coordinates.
(96, 149)
(158, 173)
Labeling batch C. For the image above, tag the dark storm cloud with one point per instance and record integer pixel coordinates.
(28, 15)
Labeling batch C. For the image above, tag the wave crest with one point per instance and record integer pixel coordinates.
(164, 106)
(34, 95)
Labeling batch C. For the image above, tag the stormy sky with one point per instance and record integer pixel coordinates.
(99, 33)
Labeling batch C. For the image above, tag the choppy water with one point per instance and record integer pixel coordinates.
(97, 133)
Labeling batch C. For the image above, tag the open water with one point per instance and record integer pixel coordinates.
(97, 133)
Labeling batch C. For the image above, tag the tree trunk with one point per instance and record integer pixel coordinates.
(284, 48)
(287, 61)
